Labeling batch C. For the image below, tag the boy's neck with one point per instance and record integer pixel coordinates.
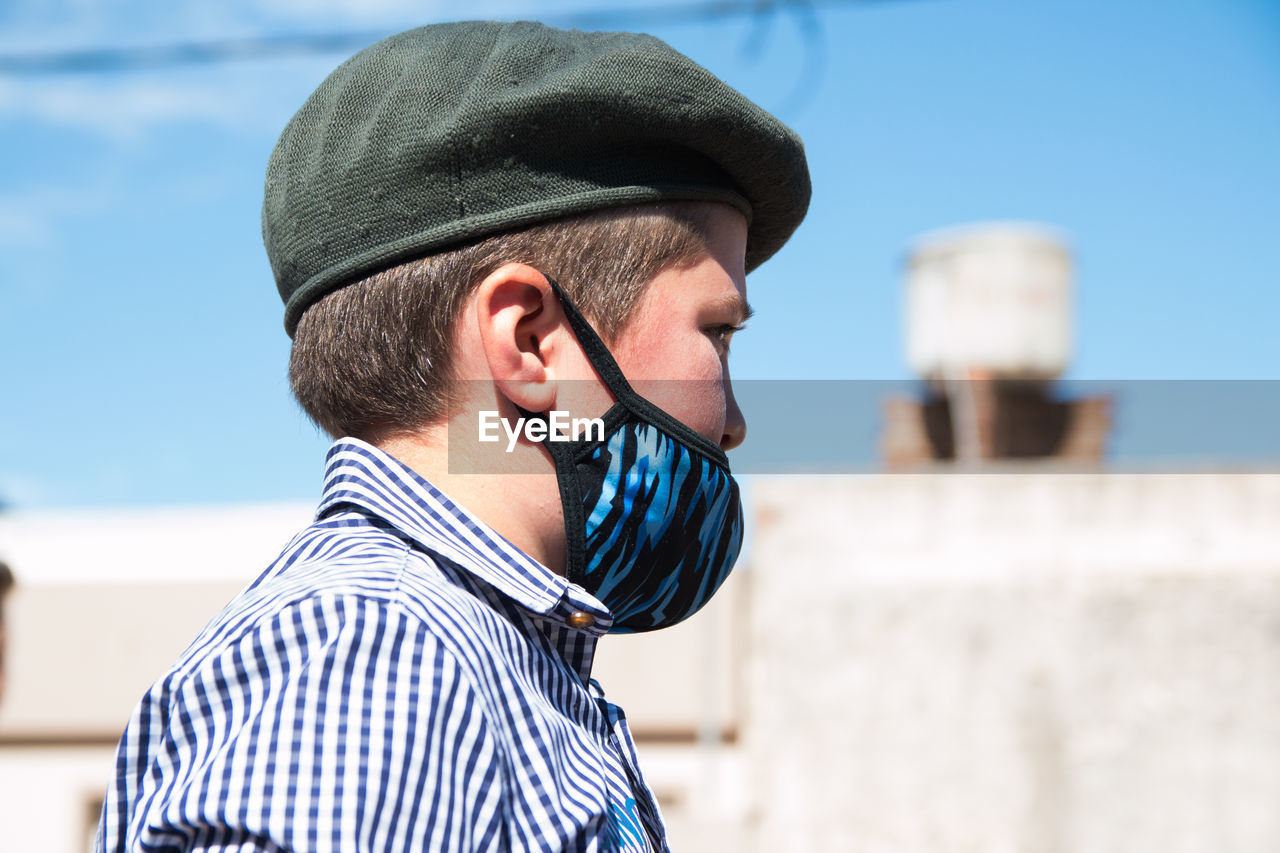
(520, 499)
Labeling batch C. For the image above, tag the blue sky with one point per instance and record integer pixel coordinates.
(140, 331)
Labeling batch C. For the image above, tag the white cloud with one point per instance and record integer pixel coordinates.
(352, 10)
(125, 105)
(29, 218)
(20, 227)
(123, 108)
(18, 490)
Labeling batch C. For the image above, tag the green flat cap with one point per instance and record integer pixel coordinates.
(445, 134)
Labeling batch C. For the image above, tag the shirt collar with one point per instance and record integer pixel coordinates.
(361, 474)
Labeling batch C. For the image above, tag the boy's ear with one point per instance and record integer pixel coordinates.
(520, 321)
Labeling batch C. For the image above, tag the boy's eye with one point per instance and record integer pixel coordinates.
(723, 335)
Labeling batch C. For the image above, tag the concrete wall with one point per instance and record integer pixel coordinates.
(1015, 663)
(106, 600)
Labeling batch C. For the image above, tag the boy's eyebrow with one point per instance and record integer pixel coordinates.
(735, 304)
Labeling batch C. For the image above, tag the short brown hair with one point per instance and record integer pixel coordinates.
(374, 359)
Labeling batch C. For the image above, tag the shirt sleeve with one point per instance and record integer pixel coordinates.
(338, 724)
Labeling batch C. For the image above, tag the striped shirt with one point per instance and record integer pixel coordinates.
(401, 678)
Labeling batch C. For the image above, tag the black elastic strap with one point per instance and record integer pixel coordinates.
(600, 357)
(597, 353)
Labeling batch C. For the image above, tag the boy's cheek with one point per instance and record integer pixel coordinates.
(699, 404)
(670, 356)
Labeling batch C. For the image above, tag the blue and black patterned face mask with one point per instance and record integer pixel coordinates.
(653, 519)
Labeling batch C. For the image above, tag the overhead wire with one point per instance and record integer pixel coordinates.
(137, 58)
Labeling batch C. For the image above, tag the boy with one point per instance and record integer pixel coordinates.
(458, 219)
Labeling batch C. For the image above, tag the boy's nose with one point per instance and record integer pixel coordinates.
(735, 424)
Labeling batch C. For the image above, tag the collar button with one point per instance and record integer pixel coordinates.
(578, 619)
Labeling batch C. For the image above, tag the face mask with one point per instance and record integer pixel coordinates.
(653, 520)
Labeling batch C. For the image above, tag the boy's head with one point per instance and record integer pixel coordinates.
(376, 358)
(432, 158)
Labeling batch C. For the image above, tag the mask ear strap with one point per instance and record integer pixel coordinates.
(593, 346)
(563, 455)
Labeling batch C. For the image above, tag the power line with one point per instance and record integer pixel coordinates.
(217, 51)
(143, 58)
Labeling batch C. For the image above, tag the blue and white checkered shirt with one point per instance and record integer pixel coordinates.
(400, 679)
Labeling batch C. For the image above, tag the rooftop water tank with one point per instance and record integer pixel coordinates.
(991, 299)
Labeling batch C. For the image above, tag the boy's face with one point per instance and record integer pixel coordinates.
(675, 347)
